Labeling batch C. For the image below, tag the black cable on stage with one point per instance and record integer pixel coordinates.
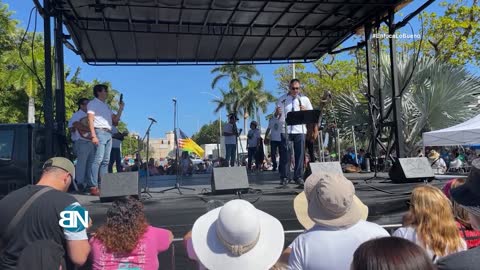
(34, 65)
(385, 191)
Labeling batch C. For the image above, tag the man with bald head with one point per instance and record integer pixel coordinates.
(26, 223)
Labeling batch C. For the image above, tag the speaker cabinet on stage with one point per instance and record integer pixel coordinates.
(229, 179)
(329, 167)
(118, 185)
(407, 170)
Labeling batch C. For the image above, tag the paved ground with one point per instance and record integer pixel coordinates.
(386, 202)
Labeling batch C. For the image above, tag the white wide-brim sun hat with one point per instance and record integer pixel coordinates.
(237, 222)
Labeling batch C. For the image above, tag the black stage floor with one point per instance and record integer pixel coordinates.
(386, 202)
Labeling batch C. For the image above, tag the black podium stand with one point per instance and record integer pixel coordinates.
(303, 117)
(299, 118)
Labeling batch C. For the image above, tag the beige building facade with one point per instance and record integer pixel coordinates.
(162, 146)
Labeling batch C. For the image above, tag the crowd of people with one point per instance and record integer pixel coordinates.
(440, 230)
(451, 160)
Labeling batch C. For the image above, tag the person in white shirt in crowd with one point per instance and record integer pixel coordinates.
(83, 147)
(253, 138)
(430, 223)
(100, 118)
(277, 132)
(438, 164)
(456, 163)
(116, 152)
(294, 101)
(337, 216)
(236, 236)
(230, 134)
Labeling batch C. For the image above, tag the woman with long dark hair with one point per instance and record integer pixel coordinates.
(126, 240)
(390, 253)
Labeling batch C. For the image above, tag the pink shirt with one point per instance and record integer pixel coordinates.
(144, 256)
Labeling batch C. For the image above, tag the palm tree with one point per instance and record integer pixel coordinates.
(235, 72)
(254, 98)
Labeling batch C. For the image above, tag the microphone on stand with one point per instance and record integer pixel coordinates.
(151, 119)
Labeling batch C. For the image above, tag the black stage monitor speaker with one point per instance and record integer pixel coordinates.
(228, 180)
(117, 185)
(326, 167)
(407, 170)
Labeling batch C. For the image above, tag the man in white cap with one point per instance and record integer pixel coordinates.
(468, 196)
(339, 226)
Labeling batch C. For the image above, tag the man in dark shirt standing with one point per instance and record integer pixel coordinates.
(41, 219)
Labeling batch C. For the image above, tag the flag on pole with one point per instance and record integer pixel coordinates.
(187, 144)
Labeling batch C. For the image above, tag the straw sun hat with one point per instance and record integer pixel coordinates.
(328, 200)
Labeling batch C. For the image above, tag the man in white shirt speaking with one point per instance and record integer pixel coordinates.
(290, 102)
(100, 119)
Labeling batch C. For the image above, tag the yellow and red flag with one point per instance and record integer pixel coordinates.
(187, 144)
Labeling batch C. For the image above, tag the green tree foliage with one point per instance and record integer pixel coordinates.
(7, 29)
(246, 95)
(330, 74)
(24, 71)
(208, 133)
(236, 74)
(455, 36)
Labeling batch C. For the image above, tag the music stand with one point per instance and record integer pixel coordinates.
(177, 185)
(303, 117)
(299, 118)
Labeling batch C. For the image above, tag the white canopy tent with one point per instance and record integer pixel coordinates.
(466, 133)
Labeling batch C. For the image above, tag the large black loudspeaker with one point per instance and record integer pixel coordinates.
(117, 185)
(326, 167)
(227, 180)
(407, 170)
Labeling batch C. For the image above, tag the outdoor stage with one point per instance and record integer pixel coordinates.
(386, 202)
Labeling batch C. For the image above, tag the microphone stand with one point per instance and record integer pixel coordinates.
(177, 185)
(288, 145)
(147, 135)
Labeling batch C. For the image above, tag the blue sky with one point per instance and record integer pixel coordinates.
(148, 91)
